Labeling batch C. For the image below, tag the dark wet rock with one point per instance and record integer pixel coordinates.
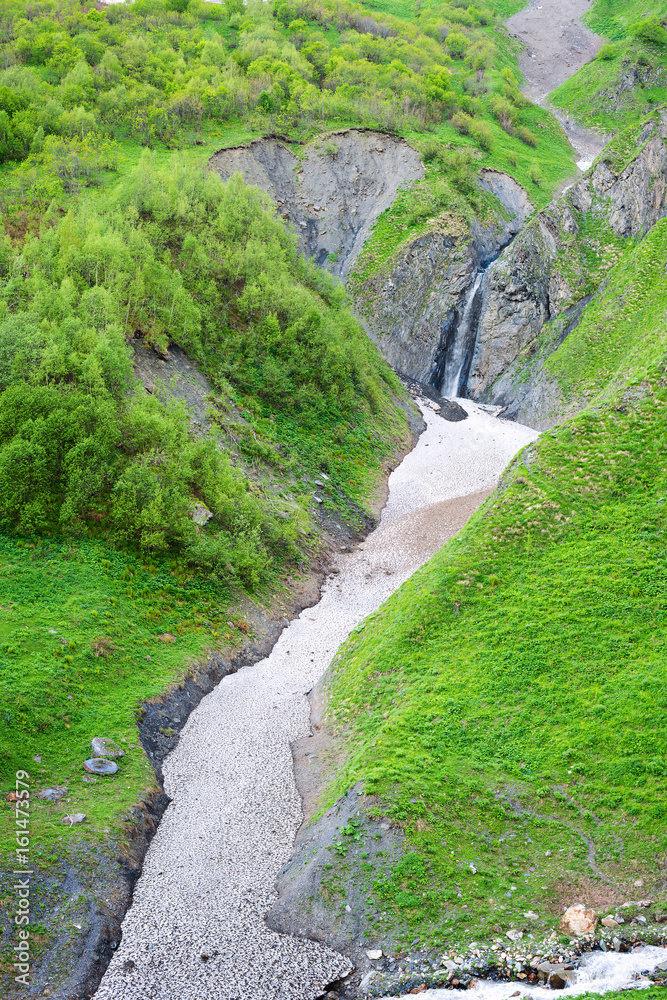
(98, 765)
(102, 746)
(450, 410)
(556, 975)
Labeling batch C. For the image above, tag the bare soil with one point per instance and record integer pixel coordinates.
(556, 45)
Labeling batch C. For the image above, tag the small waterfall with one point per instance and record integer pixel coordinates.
(461, 342)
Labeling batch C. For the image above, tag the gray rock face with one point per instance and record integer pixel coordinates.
(413, 307)
(530, 285)
(333, 191)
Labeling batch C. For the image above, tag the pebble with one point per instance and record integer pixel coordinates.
(374, 954)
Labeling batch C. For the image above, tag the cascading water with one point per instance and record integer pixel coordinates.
(598, 972)
(461, 342)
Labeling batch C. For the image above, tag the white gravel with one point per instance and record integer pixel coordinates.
(195, 929)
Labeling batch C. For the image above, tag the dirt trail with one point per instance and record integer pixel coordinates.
(557, 44)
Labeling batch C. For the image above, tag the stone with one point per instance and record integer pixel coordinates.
(514, 934)
(374, 954)
(638, 883)
(578, 920)
(52, 794)
(38, 758)
(201, 515)
(102, 746)
(452, 411)
(609, 922)
(167, 637)
(557, 975)
(640, 919)
(74, 818)
(531, 915)
(98, 765)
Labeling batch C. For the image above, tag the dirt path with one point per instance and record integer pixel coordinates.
(557, 44)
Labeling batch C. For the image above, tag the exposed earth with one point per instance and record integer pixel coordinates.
(556, 45)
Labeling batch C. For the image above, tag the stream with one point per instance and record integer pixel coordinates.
(599, 972)
(196, 928)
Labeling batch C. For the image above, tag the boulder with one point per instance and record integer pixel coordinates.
(556, 975)
(97, 765)
(452, 411)
(102, 746)
(53, 794)
(578, 920)
(609, 922)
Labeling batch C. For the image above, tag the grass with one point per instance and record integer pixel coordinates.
(59, 599)
(604, 93)
(612, 18)
(506, 703)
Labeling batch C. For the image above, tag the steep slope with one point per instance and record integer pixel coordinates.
(333, 191)
(535, 293)
(498, 724)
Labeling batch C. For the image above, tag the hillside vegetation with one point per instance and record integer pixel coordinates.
(503, 709)
(629, 74)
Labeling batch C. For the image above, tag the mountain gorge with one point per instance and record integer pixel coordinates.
(275, 277)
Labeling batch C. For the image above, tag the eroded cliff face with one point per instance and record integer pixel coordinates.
(413, 306)
(536, 280)
(331, 190)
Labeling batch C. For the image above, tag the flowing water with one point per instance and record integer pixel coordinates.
(459, 351)
(599, 972)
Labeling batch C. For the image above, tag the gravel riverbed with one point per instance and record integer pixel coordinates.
(195, 930)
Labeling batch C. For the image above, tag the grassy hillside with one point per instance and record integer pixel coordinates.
(505, 704)
(629, 74)
(504, 708)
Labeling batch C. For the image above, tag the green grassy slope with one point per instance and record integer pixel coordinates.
(628, 76)
(506, 703)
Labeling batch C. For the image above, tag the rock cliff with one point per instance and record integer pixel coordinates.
(413, 306)
(536, 280)
(331, 190)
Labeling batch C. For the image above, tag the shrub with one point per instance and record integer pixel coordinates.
(535, 175)
(456, 44)
(607, 52)
(649, 30)
(526, 136)
(482, 134)
(502, 110)
(462, 122)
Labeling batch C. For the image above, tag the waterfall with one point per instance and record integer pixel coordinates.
(461, 342)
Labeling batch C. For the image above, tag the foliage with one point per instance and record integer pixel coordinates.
(175, 256)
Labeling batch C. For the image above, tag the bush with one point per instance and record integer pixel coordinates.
(535, 175)
(462, 122)
(482, 134)
(649, 30)
(526, 136)
(607, 52)
(456, 44)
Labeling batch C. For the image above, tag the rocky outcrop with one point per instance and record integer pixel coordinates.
(413, 306)
(534, 281)
(332, 190)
